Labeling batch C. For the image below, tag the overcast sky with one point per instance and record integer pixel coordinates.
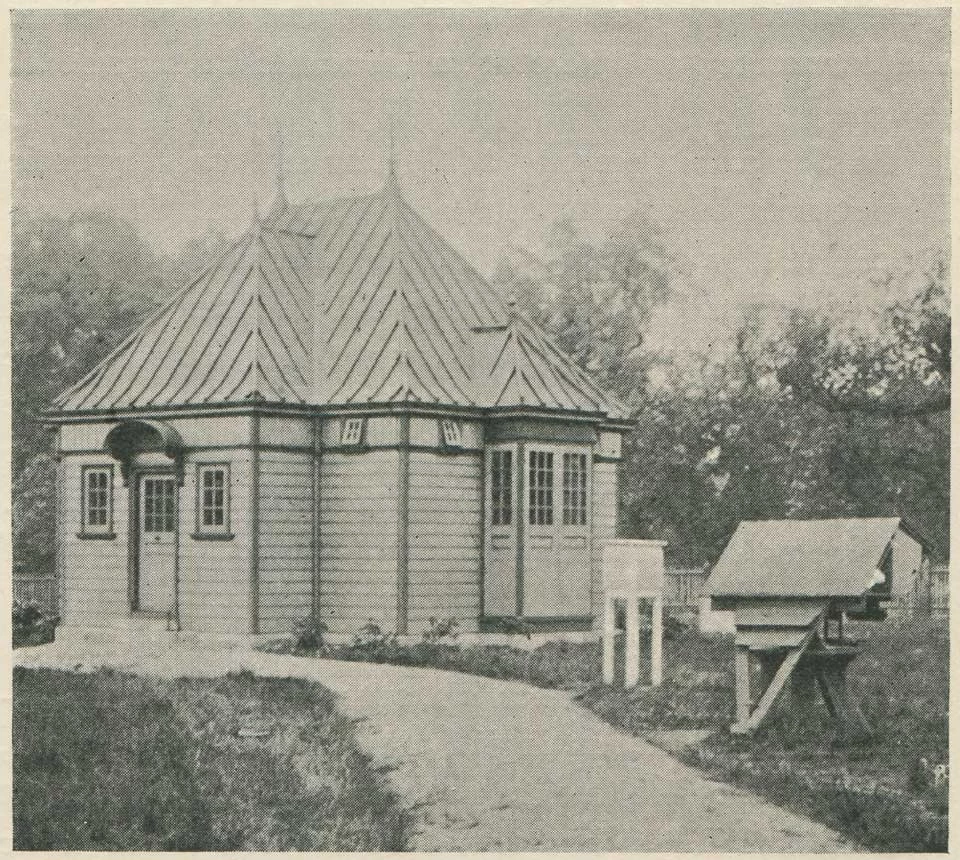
(785, 152)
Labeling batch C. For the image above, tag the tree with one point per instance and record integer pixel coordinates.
(79, 285)
(595, 296)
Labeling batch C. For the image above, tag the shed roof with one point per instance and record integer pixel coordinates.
(802, 558)
(343, 302)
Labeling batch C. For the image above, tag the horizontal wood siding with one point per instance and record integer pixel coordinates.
(358, 539)
(215, 575)
(94, 571)
(604, 525)
(446, 538)
(286, 530)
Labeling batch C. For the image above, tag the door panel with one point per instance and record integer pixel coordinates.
(500, 580)
(157, 532)
(557, 568)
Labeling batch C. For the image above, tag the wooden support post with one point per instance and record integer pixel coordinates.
(776, 685)
(742, 671)
(833, 685)
(631, 668)
(656, 642)
(609, 636)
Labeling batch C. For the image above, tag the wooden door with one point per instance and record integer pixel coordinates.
(157, 533)
(557, 569)
(500, 579)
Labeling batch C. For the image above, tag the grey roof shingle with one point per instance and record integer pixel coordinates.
(344, 302)
(802, 558)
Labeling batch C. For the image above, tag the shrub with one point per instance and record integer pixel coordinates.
(32, 625)
(308, 636)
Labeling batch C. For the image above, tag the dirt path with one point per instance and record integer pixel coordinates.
(497, 765)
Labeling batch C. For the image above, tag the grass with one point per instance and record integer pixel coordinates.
(874, 790)
(108, 761)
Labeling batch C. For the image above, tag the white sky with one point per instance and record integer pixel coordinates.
(784, 151)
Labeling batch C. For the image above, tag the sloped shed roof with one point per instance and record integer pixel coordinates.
(344, 302)
(802, 558)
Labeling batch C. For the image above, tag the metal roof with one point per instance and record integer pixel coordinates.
(802, 558)
(344, 302)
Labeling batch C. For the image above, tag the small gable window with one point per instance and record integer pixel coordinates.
(351, 433)
(97, 501)
(213, 500)
(451, 432)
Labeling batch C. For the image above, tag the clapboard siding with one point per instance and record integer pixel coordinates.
(215, 575)
(358, 539)
(285, 562)
(445, 554)
(604, 525)
(94, 587)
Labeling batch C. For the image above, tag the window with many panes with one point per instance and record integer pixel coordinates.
(213, 503)
(97, 499)
(574, 489)
(159, 505)
(501, 487)
(541, 488)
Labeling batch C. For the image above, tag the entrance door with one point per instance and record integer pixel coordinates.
(158, 515)
(557, 568)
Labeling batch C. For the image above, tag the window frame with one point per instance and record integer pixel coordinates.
(358, 421)
(541, 504)
(203, 531)
(575, 495)
(102, 531)
(502, 508)
(454, 439)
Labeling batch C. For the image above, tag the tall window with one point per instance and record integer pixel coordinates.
(541, 488)
(501, 485)
(159, 505)
(213, 508)
(574, 489)
(97, 499)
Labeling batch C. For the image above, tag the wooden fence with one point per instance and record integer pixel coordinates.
(41, 590)
(930, 594)
(683, 586)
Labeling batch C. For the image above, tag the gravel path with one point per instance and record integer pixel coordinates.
(491, 765)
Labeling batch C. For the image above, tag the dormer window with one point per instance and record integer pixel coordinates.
(451, 432)
(351, 433)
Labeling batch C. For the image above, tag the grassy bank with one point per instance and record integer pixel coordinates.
(876, 790)
(113, 762)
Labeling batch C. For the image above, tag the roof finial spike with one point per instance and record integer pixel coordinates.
(512, 304)
(281, 176)
(255, 203)
(392, 156)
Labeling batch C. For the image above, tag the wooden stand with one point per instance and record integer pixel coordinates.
(811, 664)
(631, 669)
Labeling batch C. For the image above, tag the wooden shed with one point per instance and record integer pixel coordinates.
(784, 582)
(340, 417)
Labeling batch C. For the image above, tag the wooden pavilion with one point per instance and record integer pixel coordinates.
(338, 418)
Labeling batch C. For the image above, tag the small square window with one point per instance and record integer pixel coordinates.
(352, 431)
(451, 433)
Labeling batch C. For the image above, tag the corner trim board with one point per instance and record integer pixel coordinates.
(403, 527)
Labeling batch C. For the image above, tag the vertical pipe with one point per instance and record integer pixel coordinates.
(656, 642)
(315, 532)
(521, 510)
(176, 553)
(609, 636)
(631, 667)
(742, 670)
(484, 529)
(403, 527)
(255, 523)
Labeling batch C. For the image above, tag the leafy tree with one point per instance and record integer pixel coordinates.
(79, 285)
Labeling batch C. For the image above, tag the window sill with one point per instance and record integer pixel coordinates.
(96, 535)
(211, 536)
